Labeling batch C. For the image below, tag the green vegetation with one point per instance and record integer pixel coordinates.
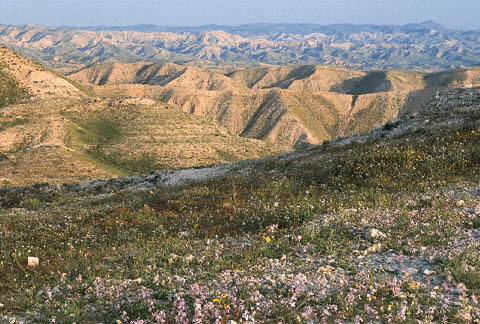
(97, 133)
(5, 124)
(147, 255)
(10, 90)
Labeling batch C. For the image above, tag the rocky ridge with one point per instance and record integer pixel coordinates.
(425, 47)
(450, 110)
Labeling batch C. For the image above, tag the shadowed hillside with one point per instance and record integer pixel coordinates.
(52, 131)
(286, 105)
(424, 47)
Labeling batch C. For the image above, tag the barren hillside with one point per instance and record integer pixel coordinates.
(426, 47)
(287, 105)
(51, 131)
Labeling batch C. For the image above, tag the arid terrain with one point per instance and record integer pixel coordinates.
(426, 46)
(231, 189)
(53, 130)
(287, 105)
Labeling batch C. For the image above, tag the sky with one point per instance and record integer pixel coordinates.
(459, 14)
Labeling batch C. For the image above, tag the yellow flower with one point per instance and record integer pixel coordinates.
(268, 239)
(216, 300)
(374, 297)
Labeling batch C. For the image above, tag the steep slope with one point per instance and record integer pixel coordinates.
(51, 131)
(153, 74)
(468, 76)
(62, 141)
(39, 82)
(286, 105)
(301, 78)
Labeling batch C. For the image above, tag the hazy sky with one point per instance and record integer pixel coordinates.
(451, 13)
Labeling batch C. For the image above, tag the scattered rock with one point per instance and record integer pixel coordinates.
(33, 262)
(428, 272)
(476, 209)
(374, 248)
(374, 234)
(414, 285)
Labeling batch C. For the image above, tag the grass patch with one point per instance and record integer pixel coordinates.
(10, 90)
(222, 233)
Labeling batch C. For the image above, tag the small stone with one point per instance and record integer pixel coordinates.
(409, 272)
(172, 258)
(231, 322)
(33, 262)
(284, 257)
(374, 234)
(374, 248)
(428, 272)
(414, 285)
(476, 210)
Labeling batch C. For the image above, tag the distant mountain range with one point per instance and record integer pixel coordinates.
(425, 46)
(258, 29)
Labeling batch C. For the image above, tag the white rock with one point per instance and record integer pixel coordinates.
(373, 234)
(33, 262)
(231, 322)
(476, 210)
(428, 272)
(374, 248)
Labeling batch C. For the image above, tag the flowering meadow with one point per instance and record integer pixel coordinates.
(385, 231)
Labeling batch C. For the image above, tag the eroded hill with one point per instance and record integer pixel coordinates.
(426, 47)
(287, 105)
(51, 130)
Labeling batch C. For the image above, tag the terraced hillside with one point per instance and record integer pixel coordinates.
(374, 228)
(58, 132)
(288, 105)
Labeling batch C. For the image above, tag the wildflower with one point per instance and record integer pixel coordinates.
(216, 300)
(268, 239)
